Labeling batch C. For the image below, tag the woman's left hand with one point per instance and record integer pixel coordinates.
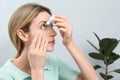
(65, 28)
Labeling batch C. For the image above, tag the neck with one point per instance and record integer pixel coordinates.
(22, 62)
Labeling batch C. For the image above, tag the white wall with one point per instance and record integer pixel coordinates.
(87, 16)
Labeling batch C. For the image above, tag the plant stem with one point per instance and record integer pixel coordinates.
(106, 70)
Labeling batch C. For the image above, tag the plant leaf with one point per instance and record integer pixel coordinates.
(96, 67)
(112, 48)
(113, 57)
(102, 75)
(96, 56)
(108, 76)
(107, 45)
(97, 37)
(93, 45)
(117, 70)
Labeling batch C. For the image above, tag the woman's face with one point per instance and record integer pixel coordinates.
(36, 28)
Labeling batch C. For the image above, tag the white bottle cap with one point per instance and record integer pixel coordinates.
(50, 22)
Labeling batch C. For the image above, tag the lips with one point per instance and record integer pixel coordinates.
(52, 42)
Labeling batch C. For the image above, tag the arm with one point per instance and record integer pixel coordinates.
(65, 28)
(87, 71)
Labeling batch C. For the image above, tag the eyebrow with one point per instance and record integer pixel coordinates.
(42, 22)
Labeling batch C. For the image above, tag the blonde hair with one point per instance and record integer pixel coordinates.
(21, 19)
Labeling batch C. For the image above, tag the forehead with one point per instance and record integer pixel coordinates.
(42, 16)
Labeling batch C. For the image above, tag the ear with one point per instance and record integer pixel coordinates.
(22, 35)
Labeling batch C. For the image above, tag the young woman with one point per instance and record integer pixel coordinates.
(33, 39)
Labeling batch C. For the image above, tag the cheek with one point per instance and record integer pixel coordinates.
(29, 40)
(30, 37)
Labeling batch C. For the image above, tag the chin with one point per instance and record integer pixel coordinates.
(50, 49)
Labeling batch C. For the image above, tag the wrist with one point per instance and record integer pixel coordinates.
(37, 74)
(69, 44)
(37, 71)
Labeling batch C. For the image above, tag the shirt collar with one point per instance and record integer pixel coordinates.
(17, 73)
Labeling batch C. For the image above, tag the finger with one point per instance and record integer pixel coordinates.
(45, 43)
(63, 29)
(57, 19)
(31, 38)
(61, 25)
(60, 22)
(63, 18)
(33, 43)
(39, 39)
(60, 16)
(43, 38)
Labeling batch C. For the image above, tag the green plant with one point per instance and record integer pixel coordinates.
(105, 53)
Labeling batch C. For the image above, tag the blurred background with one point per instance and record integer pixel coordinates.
(87, 16)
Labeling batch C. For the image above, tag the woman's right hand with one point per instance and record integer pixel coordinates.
(37, 51)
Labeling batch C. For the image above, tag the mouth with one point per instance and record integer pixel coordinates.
(52, 42)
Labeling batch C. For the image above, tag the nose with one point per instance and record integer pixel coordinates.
(52, 32)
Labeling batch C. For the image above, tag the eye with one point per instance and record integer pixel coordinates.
(43, 26)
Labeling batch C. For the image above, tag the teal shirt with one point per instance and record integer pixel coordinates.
(54, 69)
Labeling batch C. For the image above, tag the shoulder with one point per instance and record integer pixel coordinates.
(4, 74)
(55, 61)
(51, 58)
